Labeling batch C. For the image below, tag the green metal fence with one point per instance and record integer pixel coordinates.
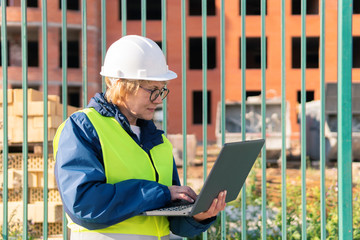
(345, 202)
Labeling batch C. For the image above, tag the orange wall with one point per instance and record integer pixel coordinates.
(194, 78)
(232, 71)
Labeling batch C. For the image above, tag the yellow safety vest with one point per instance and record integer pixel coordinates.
(124, 159)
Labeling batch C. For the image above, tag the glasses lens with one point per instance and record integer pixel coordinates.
(164, 93)
(159, 92)
(154, 94)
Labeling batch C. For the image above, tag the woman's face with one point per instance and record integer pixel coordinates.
(138, 105)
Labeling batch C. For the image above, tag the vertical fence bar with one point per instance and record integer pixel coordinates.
(345, 119)
(222, 96)
(322, 122)
(24, 67)
(103, 39)
(184, 87)
(64, 81)
(45, 100)
(344, 105)
(243, 110)
(263, 117)
(164, 48)
(283, 123)
(4, 63)
(123, 17)
(205, 97)
(143, 18)
(84, 51)
(64, 57)
(303, 117)
(183, 82)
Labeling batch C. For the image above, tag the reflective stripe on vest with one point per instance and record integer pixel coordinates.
(112, 236)
(117, 144)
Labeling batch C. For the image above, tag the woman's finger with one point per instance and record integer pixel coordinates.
(182, 192)
(222, 199)
(216, 206)
(220, 203)
(192, 193)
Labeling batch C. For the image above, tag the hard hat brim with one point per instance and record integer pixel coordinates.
(165, 77)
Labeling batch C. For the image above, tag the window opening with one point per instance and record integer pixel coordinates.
(33, 53)
(15, 48)
(198, 107)
(195, 7)
(17, 3)
(356, 52)
(312, 52)
(73, 96)
(73, 58)
(195, 53)
(253, 7)
(73, 49)
(252, 94)
(309, 96)
(312, 7)
(356, 7)
(71, 5)
(32, 3)
(133, 10)
(253, 53)
(159, 43)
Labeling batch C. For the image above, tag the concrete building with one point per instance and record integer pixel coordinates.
(193, 51)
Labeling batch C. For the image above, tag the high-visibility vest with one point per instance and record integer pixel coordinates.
(124, 159)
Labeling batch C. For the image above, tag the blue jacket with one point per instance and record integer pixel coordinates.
(79, 170)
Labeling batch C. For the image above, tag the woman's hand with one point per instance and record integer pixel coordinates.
(182, 192)
(217, 205)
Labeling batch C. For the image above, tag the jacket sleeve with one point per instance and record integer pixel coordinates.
(187, 226)
(87, 198)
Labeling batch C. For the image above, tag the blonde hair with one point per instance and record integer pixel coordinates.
(118, 89)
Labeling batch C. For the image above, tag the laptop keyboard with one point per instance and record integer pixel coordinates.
(176, 208)
(178, 205)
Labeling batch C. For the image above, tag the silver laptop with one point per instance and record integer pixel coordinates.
(229, 172)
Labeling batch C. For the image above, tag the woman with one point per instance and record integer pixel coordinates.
(111, 161)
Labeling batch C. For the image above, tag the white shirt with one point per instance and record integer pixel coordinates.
(136, 130)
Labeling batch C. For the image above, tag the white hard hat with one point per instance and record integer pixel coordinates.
(136, 57)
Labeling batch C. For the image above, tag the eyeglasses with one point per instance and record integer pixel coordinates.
(154, 94)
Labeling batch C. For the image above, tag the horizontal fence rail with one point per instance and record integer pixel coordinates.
(200, 25)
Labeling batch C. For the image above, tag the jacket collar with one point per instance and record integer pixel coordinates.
(150, 135)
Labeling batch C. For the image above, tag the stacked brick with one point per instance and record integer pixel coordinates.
(35, 171)
(35, 113)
